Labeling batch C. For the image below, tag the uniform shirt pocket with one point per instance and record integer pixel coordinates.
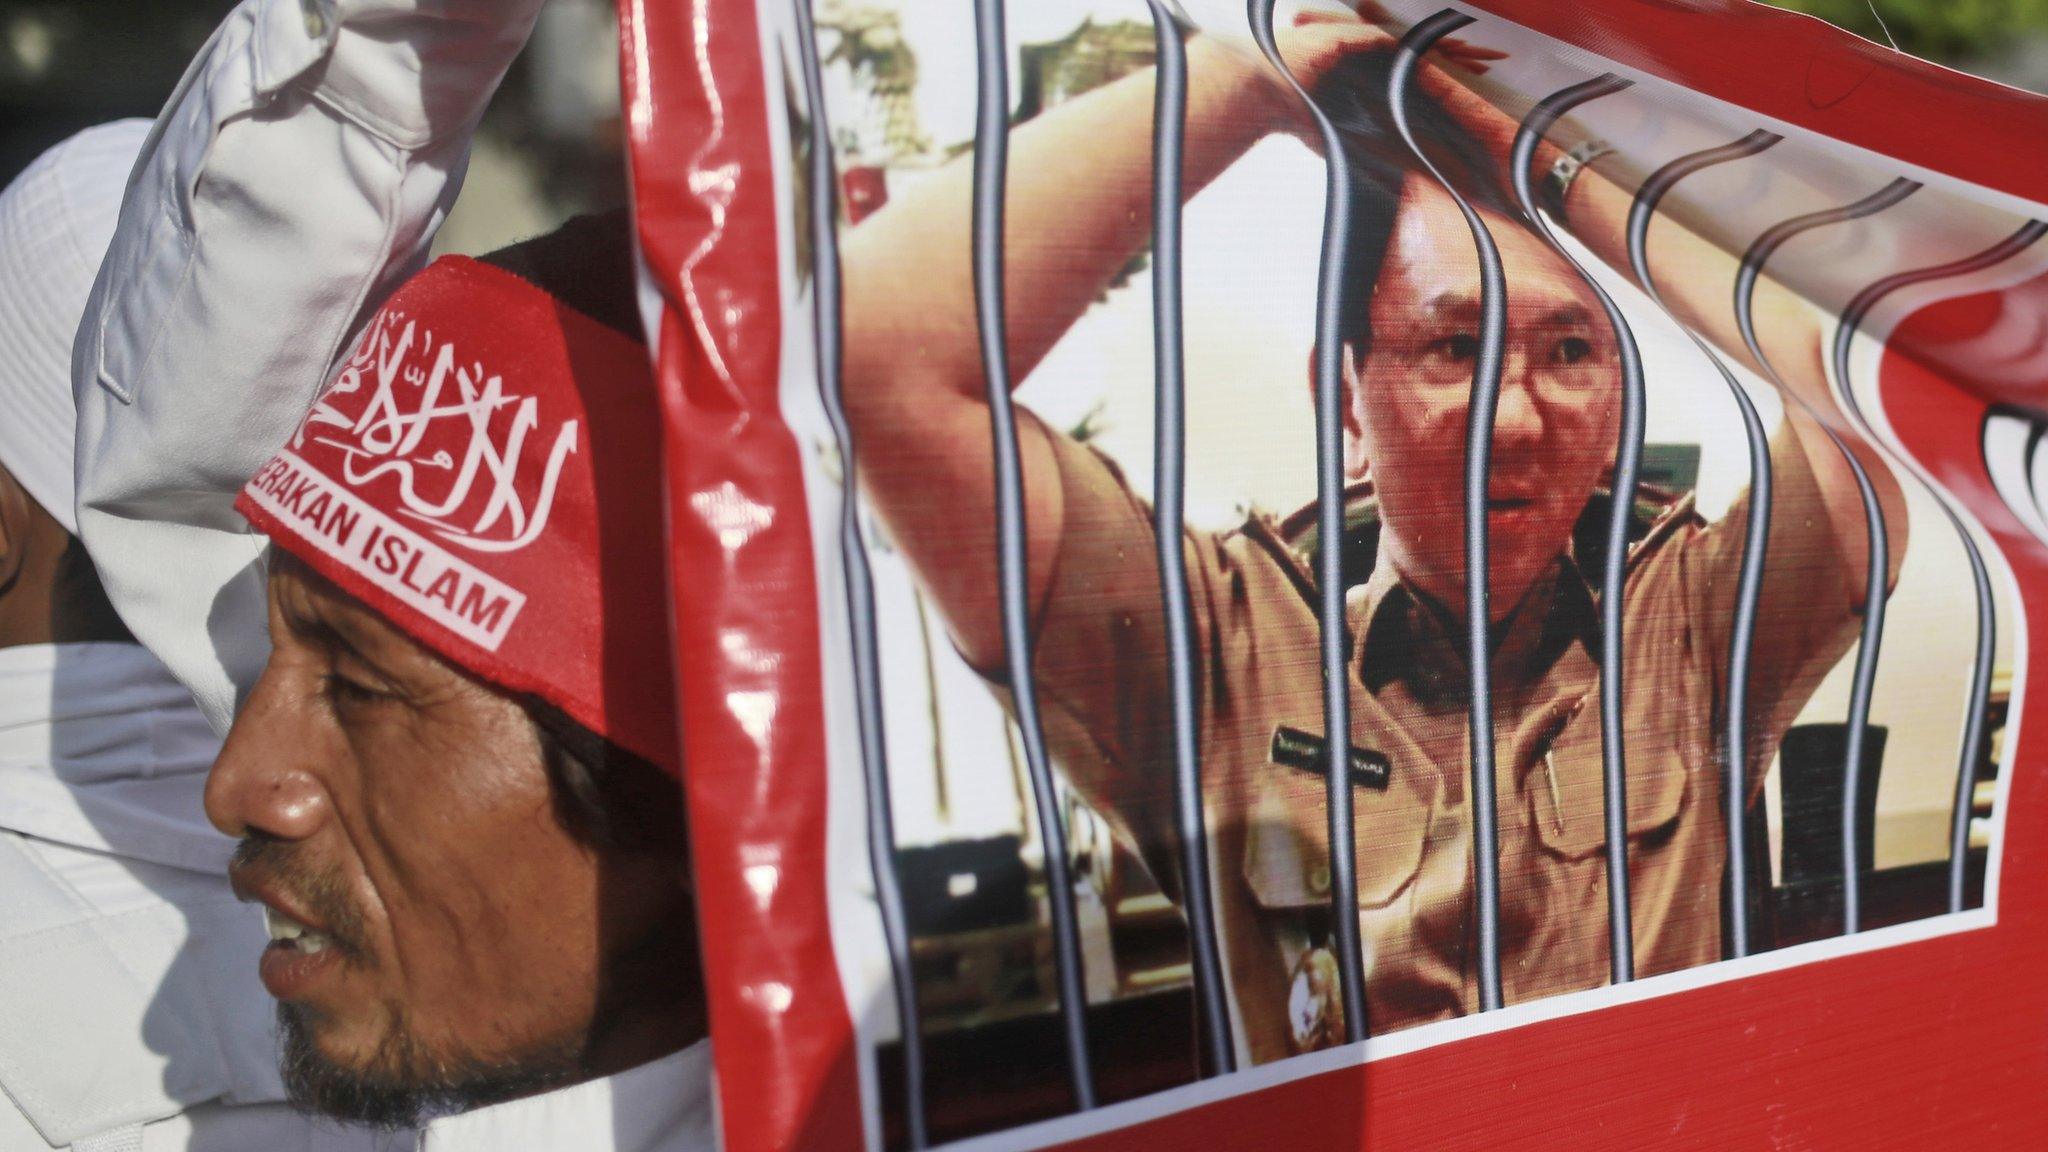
(1566, 790)
(1287, 854)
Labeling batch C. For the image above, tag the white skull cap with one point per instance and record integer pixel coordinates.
(56, 221)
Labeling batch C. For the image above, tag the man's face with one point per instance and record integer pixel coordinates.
(1556, 430)
(457, 944)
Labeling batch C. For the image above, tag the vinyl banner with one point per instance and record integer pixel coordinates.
(1304, 576)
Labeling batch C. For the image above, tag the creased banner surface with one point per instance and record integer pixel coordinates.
(1219, 549)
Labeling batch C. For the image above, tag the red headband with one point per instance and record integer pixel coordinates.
(485, 472)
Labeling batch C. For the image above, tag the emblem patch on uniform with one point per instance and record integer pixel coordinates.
(1294, 748)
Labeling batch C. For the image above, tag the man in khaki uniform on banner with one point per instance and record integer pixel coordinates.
(1078, 205)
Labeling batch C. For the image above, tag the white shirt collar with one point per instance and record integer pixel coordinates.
(101, 748)
(662, 1106)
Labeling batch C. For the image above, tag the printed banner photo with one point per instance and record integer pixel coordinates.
(1340, 576)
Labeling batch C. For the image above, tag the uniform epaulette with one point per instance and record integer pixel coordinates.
(1270, 534)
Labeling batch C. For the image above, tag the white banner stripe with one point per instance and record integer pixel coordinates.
(417, 572)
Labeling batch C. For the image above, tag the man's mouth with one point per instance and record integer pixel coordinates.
(286, 932)
(314, 933)
(299, 958)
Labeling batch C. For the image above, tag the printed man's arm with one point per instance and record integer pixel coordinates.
(1697, 280)
(297, 175)
(1079, 207)
(1816, 578)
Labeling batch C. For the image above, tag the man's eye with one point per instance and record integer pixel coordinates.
(342, 690)
(1453, 349)
(1572, 350)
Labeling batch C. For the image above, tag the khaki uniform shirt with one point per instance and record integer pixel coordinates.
(1107, 708)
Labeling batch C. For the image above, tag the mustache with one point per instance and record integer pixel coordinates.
(283, 868)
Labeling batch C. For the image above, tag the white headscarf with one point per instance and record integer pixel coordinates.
(56, 221)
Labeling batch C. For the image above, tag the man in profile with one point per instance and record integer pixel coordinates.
(455, 782)
(1078, 211)
(129, 1016)
(452, 766)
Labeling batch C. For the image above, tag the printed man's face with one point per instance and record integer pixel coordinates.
(1554, 436)
(440, 939)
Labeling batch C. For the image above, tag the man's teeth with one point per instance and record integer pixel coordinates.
(283, 927)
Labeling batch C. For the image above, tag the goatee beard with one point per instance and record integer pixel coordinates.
(404, 1085)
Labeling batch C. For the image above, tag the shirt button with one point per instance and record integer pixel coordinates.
(1319, 879)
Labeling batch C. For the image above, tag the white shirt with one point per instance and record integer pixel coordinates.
(295, 180)
(101, 749)
(292, 183)
(131, 1017)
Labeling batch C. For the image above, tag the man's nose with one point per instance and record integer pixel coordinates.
(1516, 421)
(262, 780)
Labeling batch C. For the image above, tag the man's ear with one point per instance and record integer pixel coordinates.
(1356, 465)
(15, 524)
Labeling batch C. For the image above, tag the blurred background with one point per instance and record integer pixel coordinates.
(548, 148)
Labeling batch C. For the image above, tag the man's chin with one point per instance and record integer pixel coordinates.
(1508, 587)
(401, 1083)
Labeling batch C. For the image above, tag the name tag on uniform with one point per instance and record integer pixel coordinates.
(1294, 748)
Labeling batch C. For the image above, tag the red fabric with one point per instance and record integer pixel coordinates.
(1807, 72)
(744, 572)
(483, 473)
